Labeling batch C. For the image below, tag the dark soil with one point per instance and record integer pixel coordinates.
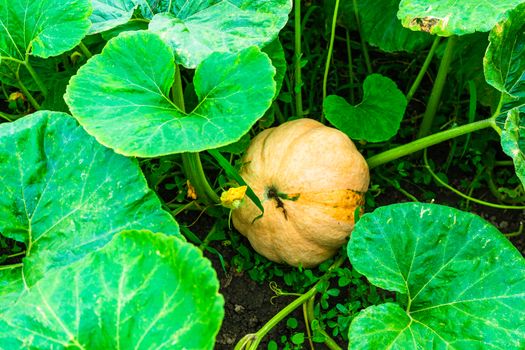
(248, 306)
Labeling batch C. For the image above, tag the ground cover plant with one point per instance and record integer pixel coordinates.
(126, 123)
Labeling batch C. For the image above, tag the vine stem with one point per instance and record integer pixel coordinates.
(423, 69)
(251, 341)
(461, 194)
(36, 77)
(191, 162)
(10, 267)
(27, 94)
(437, 89)
(330, 51)
(422, 143)
(8, 117)
(298, 53)
(85, 50)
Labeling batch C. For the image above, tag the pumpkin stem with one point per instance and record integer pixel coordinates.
(272, 193)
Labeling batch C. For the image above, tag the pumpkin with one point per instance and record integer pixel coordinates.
(311, 179)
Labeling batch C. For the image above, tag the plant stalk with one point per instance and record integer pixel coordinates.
(10, 267)
(330, 51)
(437, 89)
(8, 117)
(461, 194)
(298, 54)
(36, 77)
(193, 168)
(85, 50)
(419, 144)
(28, 95)
(191, 162)
(423, 69)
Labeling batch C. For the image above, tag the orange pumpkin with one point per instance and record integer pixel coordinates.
(310, 179)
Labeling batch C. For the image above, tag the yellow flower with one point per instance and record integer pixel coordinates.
(233, 197)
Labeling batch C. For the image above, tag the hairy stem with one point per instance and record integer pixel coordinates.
(419, 144)
(437, 89)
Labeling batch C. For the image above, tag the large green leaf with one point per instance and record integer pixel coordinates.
(43, 28)
(11, 286)
(461, 282)
(181, 8)
(140, 291)
(108, 14)
(467, 64)
(451, 17)
(380, 26)
(513, 141)
(504, 67)
(504, 62)
(122, 97)
(64, 195)
(275, 51)
(225, 26)
(377, 118)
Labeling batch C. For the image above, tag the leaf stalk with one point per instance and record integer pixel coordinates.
(298, 53)
(422, 143)
(437, 89)
(423, 69)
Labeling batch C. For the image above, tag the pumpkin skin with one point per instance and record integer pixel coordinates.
(310, 179)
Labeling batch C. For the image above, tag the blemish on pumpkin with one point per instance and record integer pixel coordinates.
(272, 193)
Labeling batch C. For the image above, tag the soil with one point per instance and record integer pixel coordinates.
(248, 306)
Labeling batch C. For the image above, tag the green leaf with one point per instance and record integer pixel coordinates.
(181, 8)
(221, 26)
(504, 62)
(11, 285)
(108, 14)
(513, 141)
(275, 51)
(122, 97)
(43, 28)
(467, 64)
(446, 17)
(377, 118)
(380, 26)
(64, 195)
(237, 147)
(462, 283)
(137, 292)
